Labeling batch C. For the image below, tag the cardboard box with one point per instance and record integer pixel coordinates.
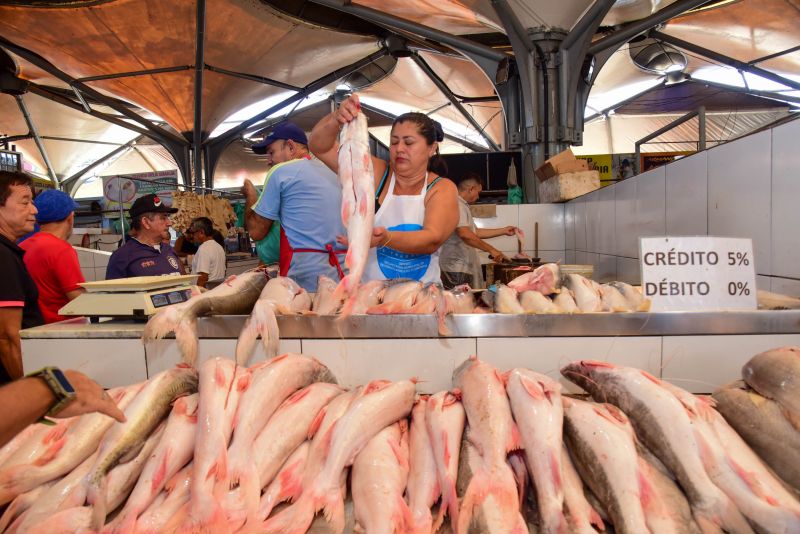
(568, 185)
(561, 163)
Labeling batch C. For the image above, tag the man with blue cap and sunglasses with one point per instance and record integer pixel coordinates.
(50, 259)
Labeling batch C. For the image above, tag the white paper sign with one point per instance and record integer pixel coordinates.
(698, 273)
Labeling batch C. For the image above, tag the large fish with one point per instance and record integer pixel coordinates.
(271, 383)
(536, 404)
(378, 478)
(235, 296)
(358, 204)
(635, 299)
(124, 440)
(22, 503)
(324, 302)
(281, 296)
(663, 425)
(586, 293)
(582, 518)
(612, 299)
(546, 279)
(460, 299)
(602, 442)
(445, 419)
(379, 404)
(566, 302)
(79, 441)
(173, 452)
(41, 444)
(422, 490)
(494, 434)
(287, 484)
(168, 506)
(431, 300)
(535, 302)
(221, 384)
(666, 508)
(369, 295)
(776, 375)
(507, 301)
(7, 450)
(736, 469)
(397, 297)
(760, 422)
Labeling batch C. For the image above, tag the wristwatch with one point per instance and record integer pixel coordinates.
(59, 385)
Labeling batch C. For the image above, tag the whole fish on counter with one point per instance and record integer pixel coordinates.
(760, 422)
(536, 405)
(287, 484)
(379, 404)
(664, 426)
(378, 478)
(586, 293)
(22, 503)
(546, 279)
(582, 517)
(422, 490)
(460, 299)
(494, 434)
(612, 300)
(324, 303)
(633, 296)
(431, 300)
(506, 300)
(235, 296)
(358, 204)
(281, 295)
(566, 302)
(144, 414)
(775, 374)
(444, 420)
(175, 497)
(369, 295)
(397, 297)
(535, 302)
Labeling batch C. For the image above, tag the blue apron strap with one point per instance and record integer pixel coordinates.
(432, 183)
(382, 182)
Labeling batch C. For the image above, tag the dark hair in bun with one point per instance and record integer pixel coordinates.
(432, 131)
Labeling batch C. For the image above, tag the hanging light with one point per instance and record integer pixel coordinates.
(655, 57)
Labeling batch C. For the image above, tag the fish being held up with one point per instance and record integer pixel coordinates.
(235, 296)
(358, 204)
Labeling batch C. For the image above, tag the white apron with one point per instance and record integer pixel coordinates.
(402, 213)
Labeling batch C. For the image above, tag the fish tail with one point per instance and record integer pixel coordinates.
(186, 336)
(96, 497)
(292, 520)
(449, 503)
(250, 487)
(333, 508)
(162, 323)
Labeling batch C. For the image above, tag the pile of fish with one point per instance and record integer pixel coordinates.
(544, 290)
(225, 448)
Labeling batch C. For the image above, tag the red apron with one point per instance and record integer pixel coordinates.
(286, 253)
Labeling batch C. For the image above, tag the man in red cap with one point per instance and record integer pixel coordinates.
(146, 254)
(50, 259)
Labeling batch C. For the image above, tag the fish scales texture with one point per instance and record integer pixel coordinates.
(775, 374)
(760, 422)
(581, 515)
(379, 404)
(378, 478)
(736, 469)
(536, 405)
(494, 434)
(145, 412)
(445, 419)
(603, 445)
(221, 384)
(358, 203)
(662, 423)
(174, 451)
(235, 296)
(79, 440)
(422, 490)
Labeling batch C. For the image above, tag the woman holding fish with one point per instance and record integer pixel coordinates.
(415, 210)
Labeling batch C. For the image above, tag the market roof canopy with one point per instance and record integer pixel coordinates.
(259, 53)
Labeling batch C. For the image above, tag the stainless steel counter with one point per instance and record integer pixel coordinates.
(460, 326)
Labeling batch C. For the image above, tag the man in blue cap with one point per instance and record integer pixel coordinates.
(50, 259)
(305, 196)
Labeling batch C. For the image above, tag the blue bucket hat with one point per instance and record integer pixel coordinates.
(286, 131)
(53, 205)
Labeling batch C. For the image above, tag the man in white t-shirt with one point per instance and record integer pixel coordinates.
(209, 261)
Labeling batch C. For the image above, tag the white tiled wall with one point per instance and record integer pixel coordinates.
(746, 188)
(93, 263)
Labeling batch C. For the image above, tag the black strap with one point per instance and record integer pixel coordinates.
(432, 183)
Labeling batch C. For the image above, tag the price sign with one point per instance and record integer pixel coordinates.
(698, 273)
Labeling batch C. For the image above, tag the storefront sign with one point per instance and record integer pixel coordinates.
(126, 188)
(698, 273)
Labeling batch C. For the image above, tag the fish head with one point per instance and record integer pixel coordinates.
(587, 374)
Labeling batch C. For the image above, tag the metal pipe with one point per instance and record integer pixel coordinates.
(72, 140)
(133, 73)
(78, 94)
(379, 17)
(233, 133)
(584, 27)
(198, 93)
(677, 122)
(755, 92)
(627, 32)
(773, 56)
(442, 86)
(701, 126)
(67, 182)
(726, 60)
(32, 127)
(253, 78)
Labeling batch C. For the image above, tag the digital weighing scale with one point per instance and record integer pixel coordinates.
(138, 297)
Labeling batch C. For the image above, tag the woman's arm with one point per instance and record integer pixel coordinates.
(441, 219)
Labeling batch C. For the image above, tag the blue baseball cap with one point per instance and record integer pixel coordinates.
(53, 205)
(286, 131)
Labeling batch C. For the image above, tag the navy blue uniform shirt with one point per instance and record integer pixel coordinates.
(134, 258)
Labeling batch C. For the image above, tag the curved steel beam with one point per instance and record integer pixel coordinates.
(38, 140)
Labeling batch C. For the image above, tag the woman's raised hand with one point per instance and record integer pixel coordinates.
(348, 110)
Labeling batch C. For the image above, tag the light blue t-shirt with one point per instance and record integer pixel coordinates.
(306, 197)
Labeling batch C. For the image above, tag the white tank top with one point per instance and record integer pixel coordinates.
(402, 213)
